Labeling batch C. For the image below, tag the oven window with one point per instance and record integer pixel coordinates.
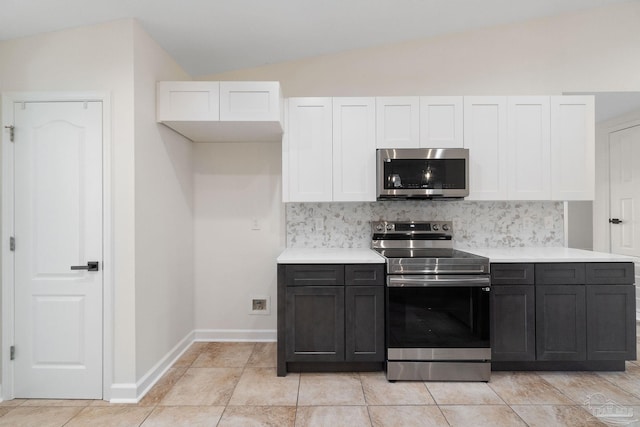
(437, 317)
(439, 174)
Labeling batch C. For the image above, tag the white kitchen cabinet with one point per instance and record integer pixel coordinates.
(397, 122)
(188, 101)
(307, 151)
(485, 132)
(528, 148)
(205, 111)
(572, 147)
(250, 101)
(441, 122)
(354, 149)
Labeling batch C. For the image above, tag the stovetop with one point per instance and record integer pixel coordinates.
(423, 247)
(427, 253)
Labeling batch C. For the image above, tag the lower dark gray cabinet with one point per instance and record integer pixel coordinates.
(611, 326)
(561, 322)
(330, 314)
(364, 324)
(315, 323)
(513, 329)
(563, 315)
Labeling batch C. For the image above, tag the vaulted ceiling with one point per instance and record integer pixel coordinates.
(211, 36)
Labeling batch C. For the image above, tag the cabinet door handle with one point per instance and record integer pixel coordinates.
(615, 221)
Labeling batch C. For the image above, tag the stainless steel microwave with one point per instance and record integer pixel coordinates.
(422, 173)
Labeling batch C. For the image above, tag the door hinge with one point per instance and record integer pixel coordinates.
(12, 243)
(12, 352)
(11, 132)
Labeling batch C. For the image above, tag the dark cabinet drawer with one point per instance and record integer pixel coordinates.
(561, 273)
(364, 275)
(512, 274)
(610, 273)
(314, 275)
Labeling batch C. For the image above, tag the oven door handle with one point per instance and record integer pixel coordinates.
(433, 280)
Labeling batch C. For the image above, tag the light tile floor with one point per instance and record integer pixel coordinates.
(235, 384)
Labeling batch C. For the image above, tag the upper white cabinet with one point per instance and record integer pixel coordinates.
(250, 101)
(425, 121)
(441, 122)
(354, 149)
(520, 147)
(307, 151)
(188, 101)
(485, 132)
(528, 148)
(221, 111)
(329, 151)
(397, 122)
(572, 148)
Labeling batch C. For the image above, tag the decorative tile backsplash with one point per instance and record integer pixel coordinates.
(475, 223)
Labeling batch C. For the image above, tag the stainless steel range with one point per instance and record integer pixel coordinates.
(437, 304)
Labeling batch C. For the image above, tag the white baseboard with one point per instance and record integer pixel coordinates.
(123, 393)
(237, 335)
(133, 393)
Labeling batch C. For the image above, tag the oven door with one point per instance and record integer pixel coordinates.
(438, 316)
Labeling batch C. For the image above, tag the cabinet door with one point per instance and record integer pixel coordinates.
(315, 324)
(364, 324)
(397, 122)
(307, 151)
(611, 325)
(513, 334)
(188, 101)
(250, 101)
(354, 149)
(572, 148)
(528, 150)
(561, 322)
(441, 122)
(485, 131)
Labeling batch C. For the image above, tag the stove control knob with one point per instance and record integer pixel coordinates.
(379, 227)
(445, 227)
(435, 227)
(389, 227)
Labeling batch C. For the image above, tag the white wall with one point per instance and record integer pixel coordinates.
(235, 185)
(579, 224)
(163, 214)
(596, 50)
(97, 58)
(151, 171)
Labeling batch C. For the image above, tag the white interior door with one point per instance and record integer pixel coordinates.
(58, 224)
(624, 151)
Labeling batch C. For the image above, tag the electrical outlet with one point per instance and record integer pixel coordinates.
(255, 224)
(318, 224)
(259, 305)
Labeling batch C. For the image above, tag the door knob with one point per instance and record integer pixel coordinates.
(91, 266)
(615, 220)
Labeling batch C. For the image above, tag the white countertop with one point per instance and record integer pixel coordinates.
(553, 254)
(527, 254)
(329, 256)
